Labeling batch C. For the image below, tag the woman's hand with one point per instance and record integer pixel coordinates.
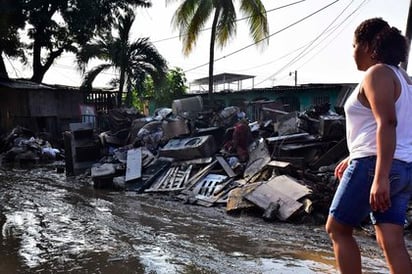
(340, 168)
(380, 195)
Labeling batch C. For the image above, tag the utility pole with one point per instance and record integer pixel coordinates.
(408, 35)
(295, 73)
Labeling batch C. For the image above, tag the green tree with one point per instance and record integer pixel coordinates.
(57, 26)
(12, 19)
(134, 61)
(172, 88)
(192, 15)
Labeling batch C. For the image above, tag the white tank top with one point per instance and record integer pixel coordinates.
(361, 125)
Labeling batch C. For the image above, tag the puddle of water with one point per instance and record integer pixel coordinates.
(52, 224)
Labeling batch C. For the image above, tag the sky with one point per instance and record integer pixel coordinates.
(309, 38)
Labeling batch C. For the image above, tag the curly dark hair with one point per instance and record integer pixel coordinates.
(386, 43)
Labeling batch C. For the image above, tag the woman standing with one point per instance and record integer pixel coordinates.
(376, 178)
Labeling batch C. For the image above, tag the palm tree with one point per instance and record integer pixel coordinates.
(192, 15)
(134, 61)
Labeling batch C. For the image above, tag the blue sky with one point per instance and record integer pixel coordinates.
(312, 37)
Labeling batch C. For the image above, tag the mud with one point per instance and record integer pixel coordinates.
(54, 224)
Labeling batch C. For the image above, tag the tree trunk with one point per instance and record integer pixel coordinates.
(3, 70)
(37, 67)
(121, 85)
(39, 70)
(408, 35)
(212, 55)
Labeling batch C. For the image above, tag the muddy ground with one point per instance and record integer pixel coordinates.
(54, 224)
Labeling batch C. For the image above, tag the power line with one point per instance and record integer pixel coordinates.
(275, 60)
(244, 18)
(307, 49)
(345, 20)
(299, 57)
(277, 32)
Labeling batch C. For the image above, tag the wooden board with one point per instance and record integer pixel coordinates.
(281, 191)
(235, 199)
(134, 164)
(225, 166)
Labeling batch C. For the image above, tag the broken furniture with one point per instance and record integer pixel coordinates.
(82, 149)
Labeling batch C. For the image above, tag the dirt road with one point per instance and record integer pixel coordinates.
(52, 224)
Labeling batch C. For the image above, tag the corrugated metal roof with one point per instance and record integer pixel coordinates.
(223, 78)
(22, 84)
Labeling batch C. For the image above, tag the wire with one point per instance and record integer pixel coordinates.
(325, 46)
(273, 61)
(244, 18)
(307, 50)
(267, 37)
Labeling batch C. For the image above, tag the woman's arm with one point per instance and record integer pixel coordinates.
(381, 88)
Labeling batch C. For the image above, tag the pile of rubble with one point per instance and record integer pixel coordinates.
(23, 148)
(280, 165)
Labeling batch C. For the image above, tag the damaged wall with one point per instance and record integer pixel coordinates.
(39, 107)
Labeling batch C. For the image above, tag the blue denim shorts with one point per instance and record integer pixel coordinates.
(350, 205)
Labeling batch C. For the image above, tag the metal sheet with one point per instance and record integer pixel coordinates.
(134, 164)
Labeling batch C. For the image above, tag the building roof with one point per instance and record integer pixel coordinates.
(25, 84)
(223, 78)
(22, 84)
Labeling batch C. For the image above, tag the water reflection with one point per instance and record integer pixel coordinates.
(51, 224)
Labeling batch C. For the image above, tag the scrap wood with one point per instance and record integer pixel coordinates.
(236, 200)
(263, 175)
(229, 171)
(279, 196)
(258, 158)
(278, 164)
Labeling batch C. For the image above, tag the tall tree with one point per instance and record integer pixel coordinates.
(172, 88)
(192, 15)
(56, 26)
(134, 61)
(12, 19)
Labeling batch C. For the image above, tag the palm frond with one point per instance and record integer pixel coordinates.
(226, 27)
(190, 18)
(97, 49)
(91, 76)
(258, 24)
(124, 25)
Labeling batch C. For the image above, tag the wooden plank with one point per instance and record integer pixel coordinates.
(279, 164)
(265, 197)
(289, 187)
(281, 192)
(258, 158)
(235, 199)
(226, 167)
(134, 164)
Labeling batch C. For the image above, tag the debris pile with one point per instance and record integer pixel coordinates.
(280, 165)
(22, 147)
